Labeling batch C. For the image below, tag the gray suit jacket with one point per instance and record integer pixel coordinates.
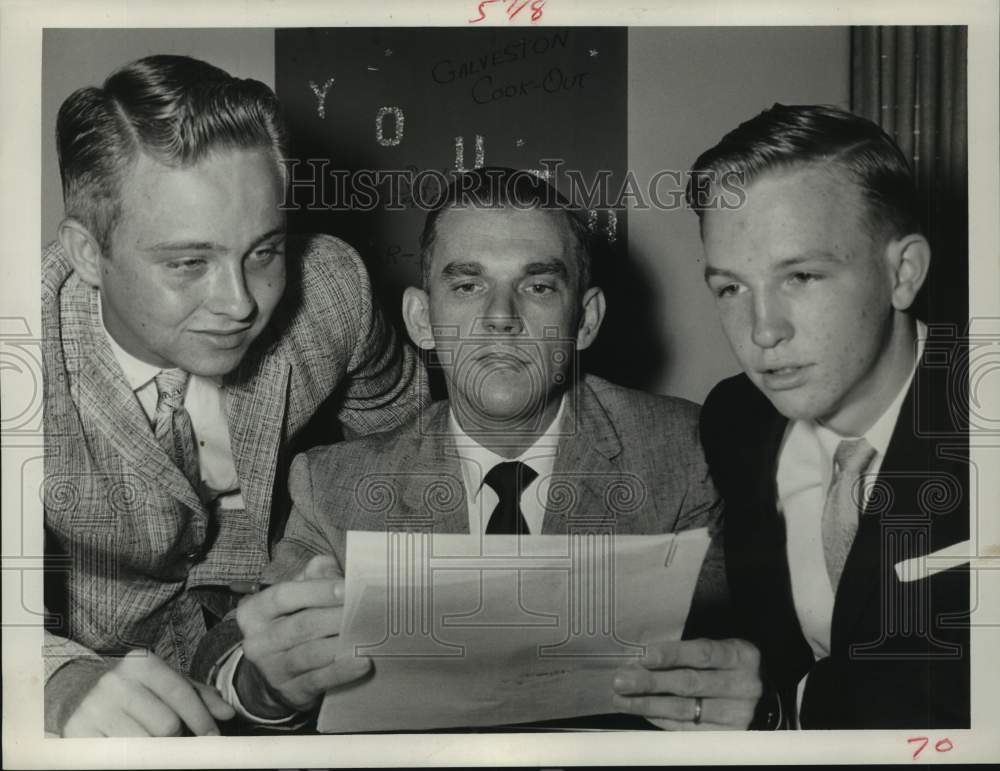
(626, 459)
(134, 554)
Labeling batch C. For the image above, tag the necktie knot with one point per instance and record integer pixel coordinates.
(508, 480)
(170, 387)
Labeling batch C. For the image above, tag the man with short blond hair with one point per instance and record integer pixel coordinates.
(822, 449)
(188, 345)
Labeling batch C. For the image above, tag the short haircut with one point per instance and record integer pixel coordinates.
(173, 108)
(786, 136)
(497, 187)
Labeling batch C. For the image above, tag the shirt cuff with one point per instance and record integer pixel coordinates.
(67, 688)
(225, 682)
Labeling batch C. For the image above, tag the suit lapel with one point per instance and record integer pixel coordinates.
(587, 486)
(432, 490)
(102, 391)
(257, 402)
(910, 462)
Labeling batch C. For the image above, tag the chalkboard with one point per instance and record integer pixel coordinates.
(365, 100)
(438, 99)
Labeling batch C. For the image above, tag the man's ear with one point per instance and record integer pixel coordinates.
(416, 315)
(590, 320)
(82, 249)
(909, 260)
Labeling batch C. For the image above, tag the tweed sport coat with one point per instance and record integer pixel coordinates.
(626, 458)
(134, 556)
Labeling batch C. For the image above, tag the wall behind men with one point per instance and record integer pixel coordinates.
(686, 87)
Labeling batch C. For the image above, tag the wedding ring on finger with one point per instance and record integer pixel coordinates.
(697, 710)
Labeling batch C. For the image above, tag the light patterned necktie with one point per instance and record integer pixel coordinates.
(509, 480)
(173, 424)
(844, 500)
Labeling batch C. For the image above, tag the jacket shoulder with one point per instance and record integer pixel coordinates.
(326, 296)
(321, 250)
(328, 271)
(390, 449)
(643, 411)
(734, 403)
(56, 270)
(737, 423)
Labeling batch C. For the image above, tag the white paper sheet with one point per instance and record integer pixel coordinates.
(490, 630)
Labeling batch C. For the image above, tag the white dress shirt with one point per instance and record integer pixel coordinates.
(477, 461)
(805, 471)
(205, 401)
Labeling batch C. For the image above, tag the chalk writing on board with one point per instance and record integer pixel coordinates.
(380, 116)
(447, 71)
(555, 80)
(321, 96)
(394, 255)
(610, 231)
(460, 154)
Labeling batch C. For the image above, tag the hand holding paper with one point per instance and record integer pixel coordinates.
(290, 642)
(693, 684)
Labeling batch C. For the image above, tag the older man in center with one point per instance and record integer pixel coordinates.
(506, 304)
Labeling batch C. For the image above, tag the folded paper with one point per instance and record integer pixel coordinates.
(469, 630)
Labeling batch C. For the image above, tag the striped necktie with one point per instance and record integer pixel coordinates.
(844, 500)
(173, 424)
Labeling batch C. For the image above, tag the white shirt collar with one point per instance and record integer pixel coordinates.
(478, 460)
(137, 372)
(880, 433)
(807, 451)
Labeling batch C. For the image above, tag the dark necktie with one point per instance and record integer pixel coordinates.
(173, 424)
(508, 480)
(843, 502)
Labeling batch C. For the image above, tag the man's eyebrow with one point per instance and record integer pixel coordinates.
(272, 233)
(455, 269)
(209, 246)
(547, 268)
(806, 257)
(185, 246)
(789, 262)
(710, 272)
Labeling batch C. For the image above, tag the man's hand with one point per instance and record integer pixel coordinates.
(290, 637)
(143, 696)
(693, 684)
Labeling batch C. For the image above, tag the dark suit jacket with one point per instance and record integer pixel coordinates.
(627, 459)
(135, 554)
(899, 650)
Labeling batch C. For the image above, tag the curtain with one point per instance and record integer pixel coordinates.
(912, 82)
